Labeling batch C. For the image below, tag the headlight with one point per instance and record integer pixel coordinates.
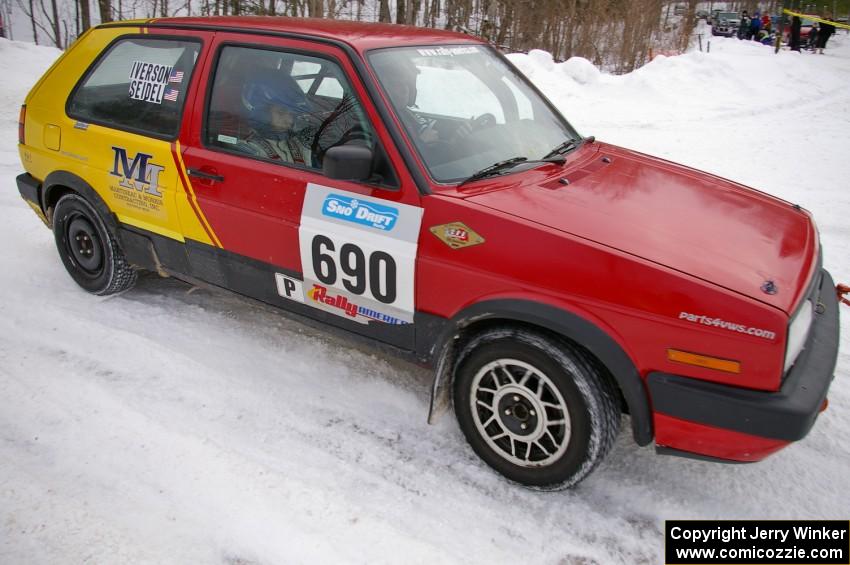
(798, 331)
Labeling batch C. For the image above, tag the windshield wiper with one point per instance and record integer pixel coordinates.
(500, 166)
(569, 145)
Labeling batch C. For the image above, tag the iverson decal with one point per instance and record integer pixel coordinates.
(148, 81)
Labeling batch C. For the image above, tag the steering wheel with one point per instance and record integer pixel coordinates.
(484, 121)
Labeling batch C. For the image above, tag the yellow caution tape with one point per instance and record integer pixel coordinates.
(816, 19)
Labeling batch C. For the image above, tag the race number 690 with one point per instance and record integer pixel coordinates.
(378, 272)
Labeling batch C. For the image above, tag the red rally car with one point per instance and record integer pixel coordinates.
(410, 186)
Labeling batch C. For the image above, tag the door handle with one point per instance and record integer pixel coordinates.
(205, 175)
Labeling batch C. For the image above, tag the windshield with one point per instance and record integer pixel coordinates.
(465, 109)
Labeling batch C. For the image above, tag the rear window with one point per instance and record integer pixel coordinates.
(138, 84)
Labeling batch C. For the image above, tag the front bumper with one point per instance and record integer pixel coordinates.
(30, 189)
(739, 424)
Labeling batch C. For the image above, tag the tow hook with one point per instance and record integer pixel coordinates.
(843, 290)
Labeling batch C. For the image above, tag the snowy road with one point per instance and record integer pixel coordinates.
(175, 426)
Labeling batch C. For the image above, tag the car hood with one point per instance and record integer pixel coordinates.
(684, 219)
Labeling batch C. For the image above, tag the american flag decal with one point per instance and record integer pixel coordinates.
(171, 95)
(176, 76)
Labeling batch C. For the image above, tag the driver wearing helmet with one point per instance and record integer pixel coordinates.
(399, 80)
(275, 113)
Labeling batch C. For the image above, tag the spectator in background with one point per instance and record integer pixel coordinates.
(794, 36)
(813, 37)
(826, 30)
(755, 27)
(765, 22)
(744, 25)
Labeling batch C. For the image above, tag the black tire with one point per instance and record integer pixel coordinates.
(498, 359)
(87, 248)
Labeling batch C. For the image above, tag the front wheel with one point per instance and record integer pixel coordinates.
(539, 410)
(87, 248)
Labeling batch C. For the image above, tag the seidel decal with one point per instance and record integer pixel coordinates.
(354, 209)
(456, 235)
(358, 255)
(148, 81)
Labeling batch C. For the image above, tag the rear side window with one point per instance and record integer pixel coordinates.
(139, 85)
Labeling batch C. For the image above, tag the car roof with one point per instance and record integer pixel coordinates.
(362, 36)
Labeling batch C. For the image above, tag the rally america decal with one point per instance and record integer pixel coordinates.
(358, 255)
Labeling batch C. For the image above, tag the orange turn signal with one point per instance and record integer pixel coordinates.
(725, 365)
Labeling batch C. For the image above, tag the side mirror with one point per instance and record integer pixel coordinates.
(348, 162)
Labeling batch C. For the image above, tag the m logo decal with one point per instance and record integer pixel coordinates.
(140, 174)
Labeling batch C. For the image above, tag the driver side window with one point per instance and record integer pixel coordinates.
(282, 107)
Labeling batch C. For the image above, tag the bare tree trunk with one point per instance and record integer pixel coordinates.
(688, 24)
(384, 12)
(413, 17)
(435, 13)
(105, 10)
(57, 33)
(505, 24)
(32, 20)
(85, 15)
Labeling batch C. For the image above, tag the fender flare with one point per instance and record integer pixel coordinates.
(65, 179)
(559, 321)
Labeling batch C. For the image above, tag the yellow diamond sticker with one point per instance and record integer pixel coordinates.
(456, 235)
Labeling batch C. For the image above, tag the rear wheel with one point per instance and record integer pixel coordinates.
(537, 409)
(88, 250)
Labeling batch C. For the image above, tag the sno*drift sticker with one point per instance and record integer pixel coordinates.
(354, 209)
(358, 255)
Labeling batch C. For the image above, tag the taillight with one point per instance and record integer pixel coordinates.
(21, 119)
